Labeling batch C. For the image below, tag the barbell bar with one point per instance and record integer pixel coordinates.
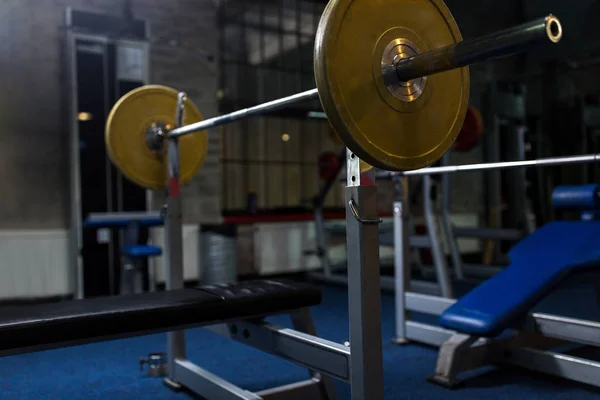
(449, 169)
(394, 125)
(244, 113)
(494, 46)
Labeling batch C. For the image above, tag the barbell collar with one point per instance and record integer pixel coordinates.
(497, 45)
(245, 113)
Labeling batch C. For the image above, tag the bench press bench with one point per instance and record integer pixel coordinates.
(242, 306)
(498, 309)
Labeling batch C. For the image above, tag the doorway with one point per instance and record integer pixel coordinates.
(102, 69)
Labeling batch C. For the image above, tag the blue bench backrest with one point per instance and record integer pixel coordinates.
(538, 263)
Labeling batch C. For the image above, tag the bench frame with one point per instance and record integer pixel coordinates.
(542, 343)
(362, 367)
(322, 358)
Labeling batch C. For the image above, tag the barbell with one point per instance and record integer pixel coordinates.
(392, 78)
(500, 165)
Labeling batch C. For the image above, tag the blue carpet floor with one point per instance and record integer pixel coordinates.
(110, 371)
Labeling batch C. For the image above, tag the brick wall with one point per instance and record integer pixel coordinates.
(34, 158)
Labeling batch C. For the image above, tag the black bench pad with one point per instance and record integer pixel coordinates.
(38, 327)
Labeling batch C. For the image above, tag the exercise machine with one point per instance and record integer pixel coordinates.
(137, 267)
(494, 322)
(508, 217)
(539, 263)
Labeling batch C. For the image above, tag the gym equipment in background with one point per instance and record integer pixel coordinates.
(501, 304)
(336, 273)
(505, 138)
(539, 264)
(329, 165)
(508, 210)
(137, 269)
(471, 131)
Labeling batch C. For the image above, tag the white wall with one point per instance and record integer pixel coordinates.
(277, 248)
(34, 264)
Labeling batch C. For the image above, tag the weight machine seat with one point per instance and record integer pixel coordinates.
(538, 263)
(45, 326)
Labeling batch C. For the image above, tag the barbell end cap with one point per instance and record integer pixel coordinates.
(554, 28)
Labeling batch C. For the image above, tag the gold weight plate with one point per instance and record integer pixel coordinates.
(126, 130)
(384, 130)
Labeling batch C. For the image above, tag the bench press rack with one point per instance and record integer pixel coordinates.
(143, 140)
(301, 346)
(536, 345)
(363, 360)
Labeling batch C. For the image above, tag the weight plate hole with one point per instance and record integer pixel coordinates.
(554, 29)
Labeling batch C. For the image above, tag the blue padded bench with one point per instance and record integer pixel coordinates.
(538, 263)
(141, 250)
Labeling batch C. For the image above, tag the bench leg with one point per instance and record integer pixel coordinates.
(303, 322)
(451, 359)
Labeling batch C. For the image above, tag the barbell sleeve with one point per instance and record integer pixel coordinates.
(497, 45)
(245, 113)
